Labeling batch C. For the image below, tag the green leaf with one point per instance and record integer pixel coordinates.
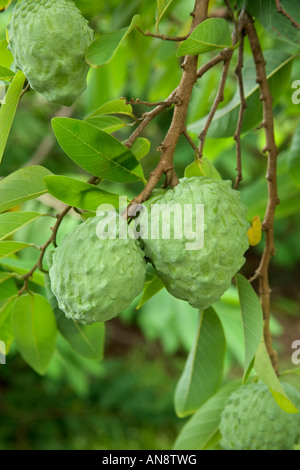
(294, 158)
(6, 74)
(96, 151)
(252, 321)
(112, 107)
(79, 194)
(211, 34)
(162, 6)
(106, 123)
(224, 124)
(4, 275)
(203, 426)
(140, 147)
(150, 289)
(203, 370)
(86, 340)
(266, 373)
(34, 328)
(5, 308)
(10, 222)
(276, 24)
(8, 109)
(21, 267)
(103, 49)
(204, 168)
(6, 57)
(11, 247)
(6, 330)
(4, 4)
(22, 185)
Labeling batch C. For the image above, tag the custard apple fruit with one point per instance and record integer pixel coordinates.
(49, 39)
(94, 279)
(202, 274)
(252, 420)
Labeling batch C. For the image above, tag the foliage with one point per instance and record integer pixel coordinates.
(114, 141)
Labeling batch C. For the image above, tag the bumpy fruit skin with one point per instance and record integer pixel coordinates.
(49, 39)
(95, 279)
(252, 420)
(200, 276)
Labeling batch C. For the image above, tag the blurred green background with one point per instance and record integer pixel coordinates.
(126, 401)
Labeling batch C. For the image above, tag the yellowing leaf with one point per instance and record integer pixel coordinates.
(254, 232)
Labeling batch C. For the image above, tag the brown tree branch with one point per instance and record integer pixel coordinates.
(219, 98)
(271, 148)
(283, 12)
(182, 95)
(243, 106)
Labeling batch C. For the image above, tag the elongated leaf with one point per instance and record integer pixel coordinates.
(21, 267)
(211, 34)
(86, 340)
(206, 168)
(276, 24)
(294, 158)
(6, 331)
(96, 151)
(8, 248)
(22, 185)
(6, 57)
(8, 109)
(150, 289)
(106, 46)
(203, 426)
(106, 123)
(4, 4)
(252, 321)
(112, 107)
(266, 373)
(140, 147)
(4, 275)
(224, 124)
(5, 308)
(79, 194)
(203, 370)
(6, 74)
(10, 222)
(162, 6)
(34, 328)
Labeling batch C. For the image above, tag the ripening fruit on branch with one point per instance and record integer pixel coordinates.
(202, 274)
(252, 420)
(49, 39)
(95, 279)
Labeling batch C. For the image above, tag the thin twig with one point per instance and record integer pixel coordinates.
(283, 12)
(135, 101)
(162, 36)
(183, 94)
(27, 88)
(271, 148)
(191, 142)
(219, 98)
(243, 106)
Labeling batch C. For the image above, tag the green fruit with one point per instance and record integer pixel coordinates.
(95, 279)
(199, 276)
(252, 420)
(49, 39)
